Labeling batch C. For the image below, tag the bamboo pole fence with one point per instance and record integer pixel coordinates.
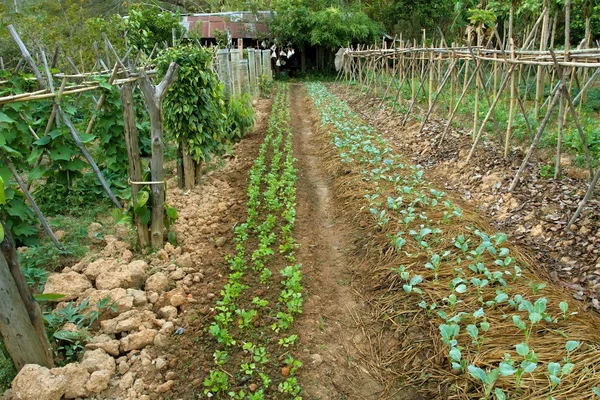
(542, 89)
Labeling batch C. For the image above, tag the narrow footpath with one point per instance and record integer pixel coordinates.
(331, 329)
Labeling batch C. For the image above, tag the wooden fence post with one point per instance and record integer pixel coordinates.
(154, 96)
(133, 154)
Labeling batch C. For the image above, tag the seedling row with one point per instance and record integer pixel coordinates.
(260, 300)
(500, 331)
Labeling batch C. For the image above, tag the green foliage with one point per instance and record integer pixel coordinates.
(147, 26)
(335, 26)
(322, 23)
(194, 109)
(7, 368)
(222, 38)
(69, 343)
(240, 116)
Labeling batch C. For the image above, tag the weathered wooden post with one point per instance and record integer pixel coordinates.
(21, 322)
(133, 155)
(154, 96)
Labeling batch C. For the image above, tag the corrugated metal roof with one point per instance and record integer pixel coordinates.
(240, 24)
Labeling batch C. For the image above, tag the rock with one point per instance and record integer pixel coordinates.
(285, 371)
(161, 340)
(139, 340)
(537, 230)
(160, 364)
(104, 342)
(316, 360)
(60, 235)
(127, 276)
(491, 180)
(177, 297)
(177, 275)
(152, 297)
(168, 312)
(76, 376)
(128, 321)
(122, 232)
(165, 387)
(127, 256)
(167, 328)
(99, 266)
(70, 284)
(34, 382)
(220, 242)
(139, 297)
(157, 283)
(98, 360)
(94, 231)
(98, 381)
(118, 296)
(171, 375)
(138, 385)
(184, 261)
(127, 381)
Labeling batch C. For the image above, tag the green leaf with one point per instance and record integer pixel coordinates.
(142, 199)
(528, 367)
(67, 336)
(499, 394)
(172, 212)
(477, 373)
(48, 297)
(567, 368)
(86, 138)
(10, 150)
(554, 368)
(1, 232)
(522, 349)
(462, 288)
(6, 118)
(564, 306)
(572, 345)
(506, 369)
(43, 140)
(455, 354)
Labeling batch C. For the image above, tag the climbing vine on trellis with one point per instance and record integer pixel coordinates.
(194, 109)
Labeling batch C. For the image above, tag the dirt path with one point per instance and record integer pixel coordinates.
(331, 338)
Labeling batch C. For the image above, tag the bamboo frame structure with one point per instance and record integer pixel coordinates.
(490, 74)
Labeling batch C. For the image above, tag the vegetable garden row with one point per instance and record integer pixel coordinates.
(253, 358)
(493, 328)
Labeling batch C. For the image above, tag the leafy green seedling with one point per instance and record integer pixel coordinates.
(487, 379)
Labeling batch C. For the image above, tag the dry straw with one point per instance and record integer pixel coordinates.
(410, 352)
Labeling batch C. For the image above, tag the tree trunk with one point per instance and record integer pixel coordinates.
(133, 154)
(20, 334)
(189, 170)
(154, 96)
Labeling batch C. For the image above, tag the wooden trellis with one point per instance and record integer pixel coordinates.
(493, 70)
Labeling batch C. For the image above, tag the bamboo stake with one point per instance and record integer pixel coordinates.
(32, 202)
(511, 106)
(584, 201)
(489, 113)
(555, 96)
(437, 94)
(462, 95)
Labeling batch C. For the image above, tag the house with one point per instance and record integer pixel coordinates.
(251, 27)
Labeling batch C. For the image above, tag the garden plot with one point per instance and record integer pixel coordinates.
(472, 317)
(253, 356)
